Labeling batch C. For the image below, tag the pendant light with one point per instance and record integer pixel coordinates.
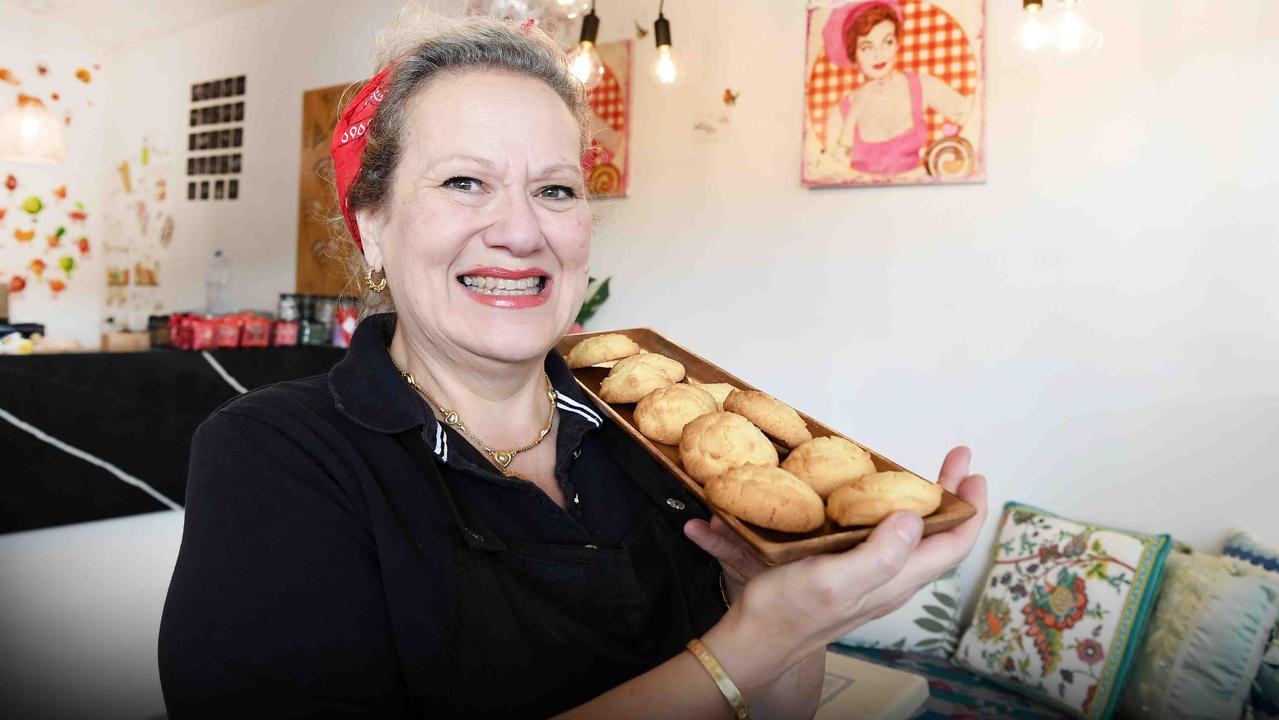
(1073, 36)
(665, 70)
(1034, 35)
(584, 62)
(29, 133)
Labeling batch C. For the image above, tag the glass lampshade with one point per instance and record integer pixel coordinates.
(30, 133)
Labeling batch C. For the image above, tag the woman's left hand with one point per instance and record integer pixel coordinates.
(737, 559)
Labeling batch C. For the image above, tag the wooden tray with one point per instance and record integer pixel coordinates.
(774, 547)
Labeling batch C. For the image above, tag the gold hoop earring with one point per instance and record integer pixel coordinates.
(374, 287)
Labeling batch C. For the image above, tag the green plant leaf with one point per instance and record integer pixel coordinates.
(593, 302)
(930, 625)
(946, 600)
(937, 612)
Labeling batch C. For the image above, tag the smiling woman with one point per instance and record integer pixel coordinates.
(445, 525)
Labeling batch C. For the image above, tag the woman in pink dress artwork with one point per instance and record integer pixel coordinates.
(883, 128)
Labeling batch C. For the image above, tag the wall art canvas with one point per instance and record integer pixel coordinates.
(607, 167)
(894, 93)
(319, 272)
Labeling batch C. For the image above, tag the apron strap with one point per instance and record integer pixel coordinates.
(474, 530)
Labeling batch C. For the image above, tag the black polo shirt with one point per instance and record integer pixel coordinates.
(368, 389)
(292, 552)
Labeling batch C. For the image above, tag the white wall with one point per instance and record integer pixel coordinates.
(1099, 321)
(284, 49)
(75, 312)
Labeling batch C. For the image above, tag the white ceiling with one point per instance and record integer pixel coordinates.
(114, 24)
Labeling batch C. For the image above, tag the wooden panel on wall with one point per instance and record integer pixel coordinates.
(317, 272)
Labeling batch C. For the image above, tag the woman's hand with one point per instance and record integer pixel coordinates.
(737, 559)
(788, 612)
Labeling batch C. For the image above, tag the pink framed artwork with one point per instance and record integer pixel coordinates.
(607, 165)
(894, 93)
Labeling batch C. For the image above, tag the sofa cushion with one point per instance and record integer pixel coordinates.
(1245, 546)
(1062, 609)
(1254, 556)
(928, 623)
(1204, 642)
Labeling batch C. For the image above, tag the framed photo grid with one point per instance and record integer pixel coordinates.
(215, 137)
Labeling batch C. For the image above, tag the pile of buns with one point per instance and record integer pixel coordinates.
(723, 435)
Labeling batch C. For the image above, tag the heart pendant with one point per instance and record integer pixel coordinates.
(503, 459)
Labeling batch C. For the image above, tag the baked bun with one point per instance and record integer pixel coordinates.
(871, 498)
(767, 496)
(662, 414)
(771, 415)
(719, 391)
(635, 376)
(716, 442)
(828, 463)
(601, 348)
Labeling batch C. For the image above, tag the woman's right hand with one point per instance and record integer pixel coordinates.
(788, 612)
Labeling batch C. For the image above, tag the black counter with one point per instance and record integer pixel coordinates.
(87, 436)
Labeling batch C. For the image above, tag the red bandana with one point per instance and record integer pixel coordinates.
(349, 141)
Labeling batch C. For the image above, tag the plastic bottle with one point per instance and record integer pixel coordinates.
(217, 285)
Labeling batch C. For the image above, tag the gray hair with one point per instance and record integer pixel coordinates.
(424, 46)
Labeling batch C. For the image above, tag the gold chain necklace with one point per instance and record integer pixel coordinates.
(503, 458)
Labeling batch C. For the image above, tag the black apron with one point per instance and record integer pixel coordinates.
(540, 629)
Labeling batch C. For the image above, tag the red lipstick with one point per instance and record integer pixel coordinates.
(509, 302)
(507, 273)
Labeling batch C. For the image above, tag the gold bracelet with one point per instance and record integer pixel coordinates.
(722, 681)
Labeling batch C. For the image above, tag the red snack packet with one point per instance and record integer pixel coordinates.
(179, 331)
(344, 321)
(228, 331)
(257, 331)
(284, 333)
(204, 333)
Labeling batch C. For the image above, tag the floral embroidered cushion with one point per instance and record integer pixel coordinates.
(1062, 610)
(1204, 641)
(928, 623)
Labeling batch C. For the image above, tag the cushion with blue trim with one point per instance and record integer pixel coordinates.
(928, 622)
(1245, 546)
(1062, 610)
(1254, 555)
(1204, 641)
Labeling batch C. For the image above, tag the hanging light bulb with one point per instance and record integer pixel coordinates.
(1034, 34)
(584, 62)
(1073, 36)
(30, 133)
(665, 70)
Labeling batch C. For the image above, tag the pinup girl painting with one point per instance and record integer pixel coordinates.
(608, 165)
(893, 93)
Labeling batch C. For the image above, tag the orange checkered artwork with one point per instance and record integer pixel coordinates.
(610, 101)
(894, 92)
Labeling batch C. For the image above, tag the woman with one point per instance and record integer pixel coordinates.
(444, 525)
(883, 128)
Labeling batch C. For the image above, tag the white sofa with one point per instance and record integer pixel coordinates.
(79, 617)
